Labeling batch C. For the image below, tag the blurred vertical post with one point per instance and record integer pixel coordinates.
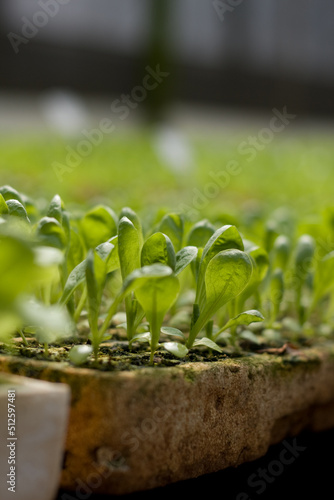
(158, 54)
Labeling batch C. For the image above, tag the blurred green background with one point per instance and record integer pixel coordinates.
(294, 170)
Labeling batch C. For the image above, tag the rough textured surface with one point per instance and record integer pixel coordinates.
(132, 431)
(41, 413)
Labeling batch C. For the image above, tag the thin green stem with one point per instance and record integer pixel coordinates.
(24, 339)
(81, 305)
(232, 307)
(155, 326)
(130, 317)
(111, 312)
(209, 329)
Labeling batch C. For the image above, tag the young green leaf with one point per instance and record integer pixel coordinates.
(270, 235)
(227, 274)
(169, 330)
(323, 278)
(133, 217)
(173, 226)
(276, 292)
(141, 337)
(48, 256)
(52, 322)
(9, 193)
(48, 259)
(224, 238)
(304, 252)
(281, 251)
(79, 354)
(198, 237)
(128, 247)
(260, 263)
(156, 297)
(75, 278)
(303, 261)
(200, 233)
(250, 337)
(133, 281)
(18, 268)
(244, 318)
(205, 341)
(16, 209)
(195, 264)
(175, 348)
(107, 252)
(184, 257)
(3, 206)
(98, 225)
(31, 208)
(75, 251)
(142, 276)
(55, 209)
(78, 274)
(50, 233)
(158, 248)
(96, 271)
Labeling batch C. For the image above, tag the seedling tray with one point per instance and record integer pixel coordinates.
(137, 430)
(33, 422)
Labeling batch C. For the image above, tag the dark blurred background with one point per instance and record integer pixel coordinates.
(238, 53)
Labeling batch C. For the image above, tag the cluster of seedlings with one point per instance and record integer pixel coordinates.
(180, 284)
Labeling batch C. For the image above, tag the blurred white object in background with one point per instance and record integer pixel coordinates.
(173, 149)
(64, 112)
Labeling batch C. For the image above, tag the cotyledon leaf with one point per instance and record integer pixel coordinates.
(158, 248)
(200, 233)
(55, 208)
(78, 274)
(184, 257)
(173, 226)
(98, 225)
(224, 238)
(128, 247)
(3, 206)
(244, 318)
(227, 274)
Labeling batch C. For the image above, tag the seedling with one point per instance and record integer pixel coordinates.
(226, 276)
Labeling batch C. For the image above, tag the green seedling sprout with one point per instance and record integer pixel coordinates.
(281, 252)
(302, 264)
(156, 296)
(173, 226)
(260, 264)
(98, 225)
(198, 237)
(129, 250)
(226, 276)
(224, 238)
(323, 281)
(245, 318)
(158, 248)
(96, 274)
(276, 294)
